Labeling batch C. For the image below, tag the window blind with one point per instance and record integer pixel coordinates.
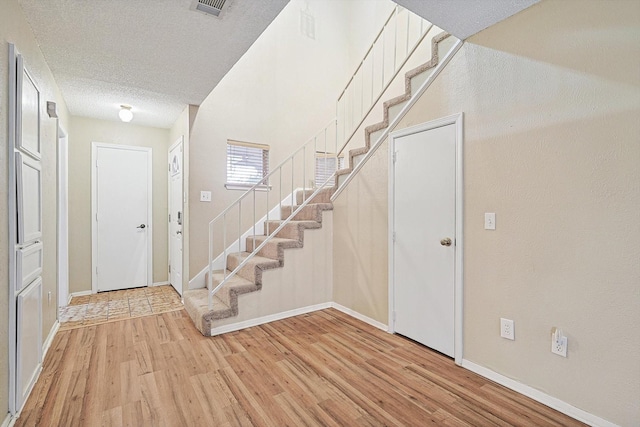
(326, 165)
(246, 163)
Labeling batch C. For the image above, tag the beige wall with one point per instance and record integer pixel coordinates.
(82, 133)
(15, 29)
(552, 146)
(281, 93)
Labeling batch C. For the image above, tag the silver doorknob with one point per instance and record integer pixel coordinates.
(445, 242)
(141, 226)
(178, 232)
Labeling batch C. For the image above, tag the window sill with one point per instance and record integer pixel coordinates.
(245, 187)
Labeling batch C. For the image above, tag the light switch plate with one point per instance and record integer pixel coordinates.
(489, 221)
(205, 196)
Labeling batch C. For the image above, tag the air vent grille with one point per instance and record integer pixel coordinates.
(210, 7)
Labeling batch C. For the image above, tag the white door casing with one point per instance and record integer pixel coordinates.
(63, 218)
(122, 217)
(176, 215)
(425, 194)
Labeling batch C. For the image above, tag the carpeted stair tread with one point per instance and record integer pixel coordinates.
(274, 248)
(253, 269)
(311, 212)
(292, 230)
(196, 302)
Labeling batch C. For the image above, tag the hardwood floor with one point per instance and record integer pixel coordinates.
(320, 369)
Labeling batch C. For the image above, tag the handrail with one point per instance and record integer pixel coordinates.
(262, 181)
(391, 15)
(441, 64)
(257, 249)
(302, 152)
(323, 134)
(383, 75)
(384, 89)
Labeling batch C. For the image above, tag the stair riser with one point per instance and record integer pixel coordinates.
(290, 231)
(270, 250)
(247, 272)
(324, 196)
(308, 213)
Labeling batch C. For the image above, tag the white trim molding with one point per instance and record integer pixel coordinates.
(360, 317)
(166, 282)
(78, 294)
(267, 319)
(458, 121)
(47, 343)
(9, 421)
(538, 396)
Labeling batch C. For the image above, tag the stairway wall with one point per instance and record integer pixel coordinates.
(306, 278)
(281, 92)
(551, 98)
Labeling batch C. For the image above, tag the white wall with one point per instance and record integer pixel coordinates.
(281, 92)
(552, 146)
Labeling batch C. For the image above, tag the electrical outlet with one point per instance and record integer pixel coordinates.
(507, 329)
(205, 196)
(559, 343)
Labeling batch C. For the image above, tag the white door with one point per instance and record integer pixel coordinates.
(122, 217)
(176, 216)
(424, 217)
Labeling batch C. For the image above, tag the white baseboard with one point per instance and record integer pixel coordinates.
(359, 316)
(9, 421)
(539, 396)
(50, 337)
(270, 318)
(161, 283)
(78, 294)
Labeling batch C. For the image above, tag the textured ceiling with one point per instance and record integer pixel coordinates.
(464, 18)
(155, 55)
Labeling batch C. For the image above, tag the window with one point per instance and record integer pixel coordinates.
(247, 164)
(326, 165)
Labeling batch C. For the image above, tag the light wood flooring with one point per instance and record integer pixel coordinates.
(319, 369)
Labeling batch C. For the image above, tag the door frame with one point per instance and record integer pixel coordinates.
(63, 217)
(457, 121)
(179, 141)
(94, 208)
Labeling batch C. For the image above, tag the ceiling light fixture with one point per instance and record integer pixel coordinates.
(125, 113)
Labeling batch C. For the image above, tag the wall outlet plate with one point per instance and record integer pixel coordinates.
(507, 329)
(559, 347)
(205, 196)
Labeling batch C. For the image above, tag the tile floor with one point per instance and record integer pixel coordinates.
(117, 305)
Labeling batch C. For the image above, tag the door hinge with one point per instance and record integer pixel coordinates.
(96, 270)
(169, 268)
(169, 168)
(96, 216)
(394, 316)
(169, 217)
(395, 156)
(393, 237)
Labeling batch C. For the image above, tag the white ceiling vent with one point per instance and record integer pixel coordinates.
(211, 7)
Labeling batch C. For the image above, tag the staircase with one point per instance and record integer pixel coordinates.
(270, 256)
(413, 80)
(243, 270)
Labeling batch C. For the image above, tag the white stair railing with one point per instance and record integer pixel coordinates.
(399, 37)
(289, 175)
(401, 34)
